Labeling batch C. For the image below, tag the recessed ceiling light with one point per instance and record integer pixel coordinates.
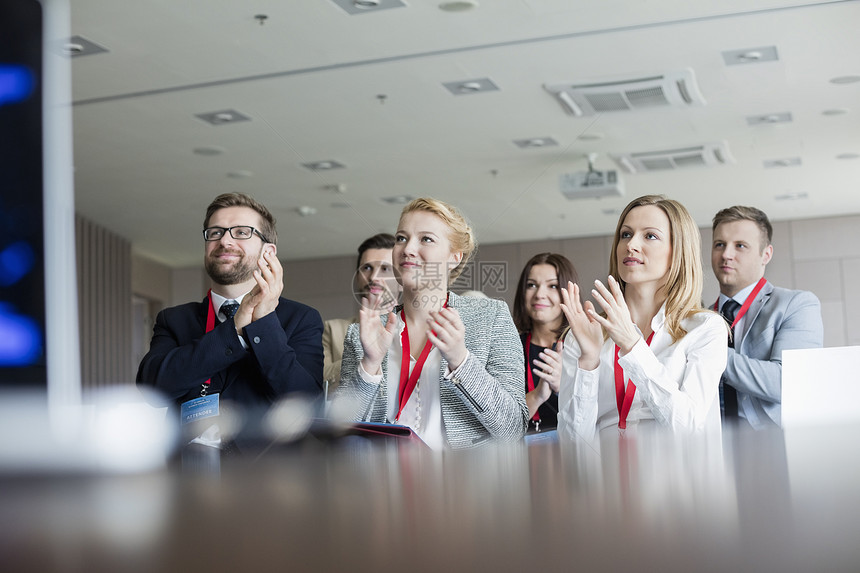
(240, 174)
(306, 211)
(354, 7)
(791, 196)
(209, 150)
(326, 165)
(848, 156)
(223, 117)
(842, 80)
(336, 187)
(611, 211)
(79, 46)
(769, 118)
(590, 136)
(534, 142)
(461, 6)
(471, 86)
(785, 162)
(397, 199)
(835, 111)
(750, 56)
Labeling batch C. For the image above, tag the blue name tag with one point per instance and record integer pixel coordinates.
(199, 409)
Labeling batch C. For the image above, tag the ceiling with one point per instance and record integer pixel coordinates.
(367, 91)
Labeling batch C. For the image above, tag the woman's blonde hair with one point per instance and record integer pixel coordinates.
(684, 280)
(460, 233)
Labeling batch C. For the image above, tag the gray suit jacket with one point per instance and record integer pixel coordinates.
(486, 400)
(778, 319)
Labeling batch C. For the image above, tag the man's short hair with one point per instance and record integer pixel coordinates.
(741, 213)
(378, 241)
(267, 220)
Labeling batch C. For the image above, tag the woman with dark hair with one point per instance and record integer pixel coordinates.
(542, 325)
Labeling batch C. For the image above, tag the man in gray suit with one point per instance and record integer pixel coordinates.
(765, 319)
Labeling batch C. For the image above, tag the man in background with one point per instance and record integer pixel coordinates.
(765, 319)
(373, 280)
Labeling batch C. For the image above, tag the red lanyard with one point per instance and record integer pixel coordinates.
(529, 379)
(409, 381)
(761, 282)
(624, 399)
(210, 324)
(530, 382)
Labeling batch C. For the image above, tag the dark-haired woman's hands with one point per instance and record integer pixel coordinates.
(549, 364)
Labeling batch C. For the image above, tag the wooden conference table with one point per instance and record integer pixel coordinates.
(764, 501)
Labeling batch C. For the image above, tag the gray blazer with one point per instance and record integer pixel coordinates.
(778, 319)
(487, 399)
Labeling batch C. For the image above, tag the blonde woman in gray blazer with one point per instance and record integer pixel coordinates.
(463, 385)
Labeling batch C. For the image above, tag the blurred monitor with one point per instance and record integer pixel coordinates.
(36, 200)
(22, 275)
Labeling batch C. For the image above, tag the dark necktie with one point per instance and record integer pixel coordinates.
(729, 312)
(728, 394)
(229, 308)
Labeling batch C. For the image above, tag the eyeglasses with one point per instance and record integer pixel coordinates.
(240, 233)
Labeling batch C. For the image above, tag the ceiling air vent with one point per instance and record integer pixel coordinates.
(706, 155)
(621, 94)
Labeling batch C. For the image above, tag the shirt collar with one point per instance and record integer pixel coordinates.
(218, 300)
(659, 319)
(740, 297)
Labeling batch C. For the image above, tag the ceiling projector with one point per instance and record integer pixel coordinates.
(591, 184)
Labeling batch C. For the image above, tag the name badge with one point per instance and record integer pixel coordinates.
(199, 409)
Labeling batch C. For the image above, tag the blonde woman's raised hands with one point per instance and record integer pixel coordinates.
(617, 320)
(583, 325)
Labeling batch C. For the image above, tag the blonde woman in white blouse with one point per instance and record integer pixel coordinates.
(652, 354)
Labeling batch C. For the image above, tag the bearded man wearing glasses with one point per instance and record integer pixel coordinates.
(244, 342)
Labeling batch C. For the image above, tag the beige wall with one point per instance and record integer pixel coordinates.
(151, 280)
(812, 254)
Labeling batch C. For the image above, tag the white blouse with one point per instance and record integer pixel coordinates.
(677, 384)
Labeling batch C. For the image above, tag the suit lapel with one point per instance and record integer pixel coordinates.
(202, 313)
(755, 308)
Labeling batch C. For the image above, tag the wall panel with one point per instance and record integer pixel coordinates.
(104, 294)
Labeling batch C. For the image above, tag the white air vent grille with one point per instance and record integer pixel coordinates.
(706, 155)
(591, 97)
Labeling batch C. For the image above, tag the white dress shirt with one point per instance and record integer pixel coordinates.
(746, 409)
(739, 298)
(211, 436)
(677, 383)
(217, 301)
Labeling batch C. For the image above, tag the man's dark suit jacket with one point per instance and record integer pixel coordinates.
(285, 355)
